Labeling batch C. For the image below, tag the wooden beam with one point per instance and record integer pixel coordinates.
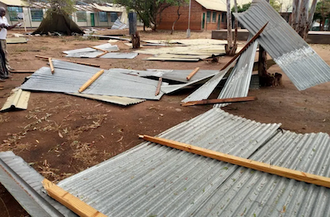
(192, 74)
(68, 200)
(158, 86)
(256, 165)
(102, 54)
(218, 101)
(23, 71)
(42, 57)
(99, 49)
(245, 47)
(51, 65)
(82, 63)
(90, 81)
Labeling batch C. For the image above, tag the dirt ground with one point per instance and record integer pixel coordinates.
(61, 135)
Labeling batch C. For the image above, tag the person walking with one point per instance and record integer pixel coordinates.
(4, 25)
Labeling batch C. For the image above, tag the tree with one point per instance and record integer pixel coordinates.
(301, 18)
(322, 12)
(149, 11)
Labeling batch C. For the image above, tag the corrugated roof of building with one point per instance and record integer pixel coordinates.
(216, 5)
(155, 180)
(297, 59)
(15, 2)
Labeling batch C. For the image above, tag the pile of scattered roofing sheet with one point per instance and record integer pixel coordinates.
(95, 53)
(172, 75)
(297, 59)
(69, 77)
(151, 179)
(190, 50)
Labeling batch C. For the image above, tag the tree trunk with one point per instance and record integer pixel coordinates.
(295, 16)
(229, 32)
(322, 24)
(178, 13)
(266, 79)
(303, 20)
(236, 26)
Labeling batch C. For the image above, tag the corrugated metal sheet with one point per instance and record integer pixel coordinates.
(109, 83)
(159, 181)
(120, 55)
(204, 91)
(17, 100)
(24, 183)
(119, 25)
(90, 52)
(300, 62)
(238, 82)
(252, 193)
(124, 101)
(108, 8)
(213, 5)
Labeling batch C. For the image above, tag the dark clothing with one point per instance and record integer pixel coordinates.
(3, 67)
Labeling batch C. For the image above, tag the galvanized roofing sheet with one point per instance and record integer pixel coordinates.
(124, 101)
(119, 25)
(155, 180)
(90, 52)
(206, 89)
(109, 83)
(253, 193)
(296, 58)
(238, 82)
(24, 183)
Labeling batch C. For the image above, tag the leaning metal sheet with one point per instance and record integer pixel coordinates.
(151, 180)
(204, 91)
(296, 58)
(253, 193)
(113, 84)
(24, 183)
(237, 85)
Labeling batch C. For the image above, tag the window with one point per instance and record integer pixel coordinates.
(113, 16)
(81, 16)
(13, 12)
(208, 17)
(223, 17)
(214, 17)
(103, 16)
(37, 14)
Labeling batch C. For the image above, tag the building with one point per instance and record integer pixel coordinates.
(85, 15)
(205, 15)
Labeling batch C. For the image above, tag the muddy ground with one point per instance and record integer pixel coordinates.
(60, 135)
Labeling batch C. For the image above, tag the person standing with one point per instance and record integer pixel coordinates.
(4, 25)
